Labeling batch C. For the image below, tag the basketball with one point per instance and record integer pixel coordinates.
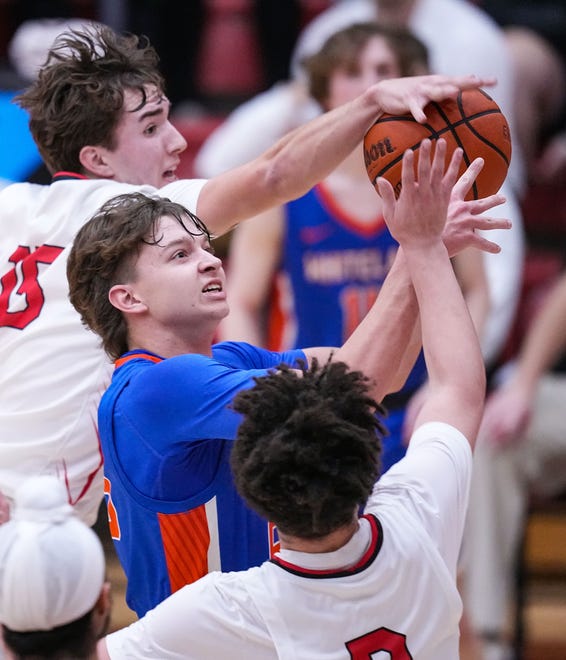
(472, 121)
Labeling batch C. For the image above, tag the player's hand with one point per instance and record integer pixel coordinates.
(507, 413)
(466, 218)
(398, 96)
(419, 215)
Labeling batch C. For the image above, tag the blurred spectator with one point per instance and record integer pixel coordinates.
(535, 34)
(521, 449)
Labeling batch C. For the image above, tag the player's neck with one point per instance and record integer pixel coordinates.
(169, 344)
(329, 543)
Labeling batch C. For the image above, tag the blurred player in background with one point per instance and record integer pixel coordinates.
(328, 252)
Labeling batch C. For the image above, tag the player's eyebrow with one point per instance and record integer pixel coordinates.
(151, 113)
(163, 104)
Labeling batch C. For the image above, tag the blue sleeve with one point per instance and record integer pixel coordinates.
(187, 399)
(245, 356)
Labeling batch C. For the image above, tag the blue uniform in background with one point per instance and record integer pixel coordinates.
(166, 429)
(331, 272)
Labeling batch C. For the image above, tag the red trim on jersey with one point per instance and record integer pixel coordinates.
(60, 176)
(186, 562)
(366, 229)
(90, 477)
(146, 356)
(365, 560)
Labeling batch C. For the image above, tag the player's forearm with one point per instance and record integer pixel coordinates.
(309, 153)
(450, 341)
(546, 339)
(386, 343)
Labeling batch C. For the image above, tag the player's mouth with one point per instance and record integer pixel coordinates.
(213, 288)
(170, 175)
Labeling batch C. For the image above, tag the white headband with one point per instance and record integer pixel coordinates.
(51, 564)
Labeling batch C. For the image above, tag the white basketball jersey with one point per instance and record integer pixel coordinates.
(53, 370)
(389, 593)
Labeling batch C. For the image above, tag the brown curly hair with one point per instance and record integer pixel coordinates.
(103, 254)
(78, 96)
(307, 452)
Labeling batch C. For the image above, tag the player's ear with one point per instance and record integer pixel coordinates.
(123, 297)
(102, 609)
(95, 162)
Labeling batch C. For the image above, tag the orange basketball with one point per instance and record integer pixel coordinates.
(472, 121)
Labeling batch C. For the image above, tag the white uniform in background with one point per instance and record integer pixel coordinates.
(53, 370)
(392, 587)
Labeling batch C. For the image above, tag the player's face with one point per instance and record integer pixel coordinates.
(180, 282)
(148, 146)
(376, 61)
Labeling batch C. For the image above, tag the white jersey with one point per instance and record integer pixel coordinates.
(53, 369)
(391, 588)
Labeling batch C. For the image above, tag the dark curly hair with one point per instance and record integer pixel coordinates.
(307, 451)
(103, 254)
(78, 96)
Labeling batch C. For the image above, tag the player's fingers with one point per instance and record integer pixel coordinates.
(486, 223)
(387, 194)
(479, 242)
(407, 170)
(466, 181)
(473, 81)
(438, 160)
(423, 166)
(450, 176)
(485, 203)
(416, 109)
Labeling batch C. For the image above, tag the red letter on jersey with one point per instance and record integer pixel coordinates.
(26, 270)
(381, 639)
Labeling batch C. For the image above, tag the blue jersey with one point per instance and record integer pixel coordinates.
(332, 269)
(166, 430)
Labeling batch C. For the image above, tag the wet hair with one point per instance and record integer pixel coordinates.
(103, 254)
(342, 50)
(78, 96)
(307, 452)
(73, 641)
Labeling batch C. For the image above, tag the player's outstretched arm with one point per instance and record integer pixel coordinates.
(386, 343)
(309, 153)
(452, 351)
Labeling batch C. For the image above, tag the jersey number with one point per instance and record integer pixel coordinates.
(355, 302)
(381, 639)
(25, 271)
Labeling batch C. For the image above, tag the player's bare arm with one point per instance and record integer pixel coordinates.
(388, 340)
(452, 351)
(309, 153)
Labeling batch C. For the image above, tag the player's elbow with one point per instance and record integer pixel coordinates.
(472, 390)
(280, 180)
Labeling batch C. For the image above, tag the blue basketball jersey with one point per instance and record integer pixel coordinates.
(331, 272)
(166, 430)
